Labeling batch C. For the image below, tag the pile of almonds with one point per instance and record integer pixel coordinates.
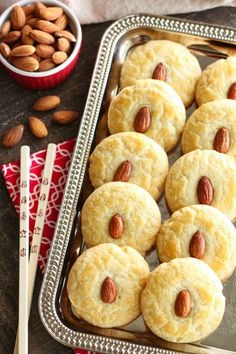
(37, 126)
(36, 37)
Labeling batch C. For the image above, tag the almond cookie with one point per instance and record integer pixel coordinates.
(105, 284)
(163, 60)
(183, 301)
(151, 107)
(203, 177)
(129, 157)
(217, 81)
(121, 213)
(202, 232)
(212, 126)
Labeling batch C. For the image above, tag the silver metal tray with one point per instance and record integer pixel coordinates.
(208, 43)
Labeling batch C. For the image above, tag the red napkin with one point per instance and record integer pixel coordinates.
(11, 173)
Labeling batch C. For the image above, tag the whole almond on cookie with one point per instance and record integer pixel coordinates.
(123, 172)
(116, 226)
(108, 291)
(232, 92)
(65, 117)
(23, 50)
(13, 136)
(222, 140)
(205, 191)
(42, 37)
(17, 18)
(46, 64)
(46, 103)
(37, 127)
(59, 57)
(45, 51)
(197, 245)
(183, 303)
(142, 120)
(159, 72)
(26, 63)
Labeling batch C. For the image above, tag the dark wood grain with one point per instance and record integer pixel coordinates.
(15, 107)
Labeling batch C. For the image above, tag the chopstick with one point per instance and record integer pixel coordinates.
(24, 248)
(38, 228)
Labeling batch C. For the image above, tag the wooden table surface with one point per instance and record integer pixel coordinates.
(15, 107)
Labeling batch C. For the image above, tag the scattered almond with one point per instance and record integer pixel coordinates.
(65, 117)
(183, 303)
(222, 140)
(205, 191)
(108, 291)
(123, 172)
(42, 37)
(232, 92)
(62, 22)
(46, 64)
(159, 72)
(59, 57)
(25, 37)
(23, 51)
(13, 136)
(37, 127)
(5, 50)
(5, 28)
(26, 63)
(197, 245)
(63, 45)
(142, 120)
(66, 34)
(46, 103)
(28, 9)
(46, 26)
(45, 51)
(17, 18)
(50, 13)
(116, 226)
(11, 37)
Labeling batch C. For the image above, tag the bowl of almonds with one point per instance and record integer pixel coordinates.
(39, 43)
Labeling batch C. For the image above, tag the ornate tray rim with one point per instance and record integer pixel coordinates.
(47, 298)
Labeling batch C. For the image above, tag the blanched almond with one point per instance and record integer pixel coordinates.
(50, 13)
(26, 63)
(37, 127)
(59, 57)
(25, 37)
(17, 17)
(5, 50)
(66, 34)
(46, 64)
(11, 37)
(23, 51)
(5, 28)
(46, 103)
(46, 26)
(63, 45)
(62, 22)
(65, 117)
(42, 37)
(44, 50)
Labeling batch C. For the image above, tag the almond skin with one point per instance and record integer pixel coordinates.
(5, 50)
(108, 291)
(11, 37)
(37, 127)
(25, 37)
(65, 117)
(26, 63)
(50, 13)
(62, 22)
(5, 28)
(123, 172)
(46, 26)
(205, 191)
(45, 51)
(59, 57)
(63, 45)
(197, 245)
(46, 103)
(23, 51)
(232, 92)
(222, 140)
(183, 304)
(13, 136)
(17, 18)
(116, 226)
(42, 37)
(46, 64)
(66, 34)
(159, 72)
(142, 120)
